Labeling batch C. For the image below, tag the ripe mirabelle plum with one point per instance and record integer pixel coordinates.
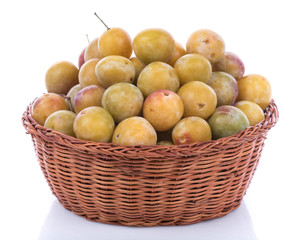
(122, 100)
(88, 96)
(92, 50)
(193, 67)
(94, 124)
(157, 76)
(199, 99)
(225, 86)
(46, 105)
(61, 121)
(115, 41)
(87, 73)
(252, 111)
(134, 131)
(179, 52)
(191, 130)
(163, 109)
(61, 77)
(255, 88)
(206, 43)
(114, 69)
(153, 45)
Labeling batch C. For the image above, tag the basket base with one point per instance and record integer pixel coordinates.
(185, 220)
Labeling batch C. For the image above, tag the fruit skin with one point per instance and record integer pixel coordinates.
(193, 67)
(153, 45)
(88, 96)
(199, 99)
(87, 74)
(72, 94)
(81, 60)
(94, 124)
(45, 105)
(139, 66)
(115, 41)
(114, 69)
(206, 43)
(252, 111)
(191, 130)
(157, 76)
(232, 64)
(134, 131)
(179, 52)
(61, 121)
(255, 88)
(226, 121)
(165, 143)
(61, 77)
(225, 86)
(92, 50)
(163, 109)
(122, 100)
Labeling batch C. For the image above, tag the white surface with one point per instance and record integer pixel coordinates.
(265, 34)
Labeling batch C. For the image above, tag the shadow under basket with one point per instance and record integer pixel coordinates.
(149, 185)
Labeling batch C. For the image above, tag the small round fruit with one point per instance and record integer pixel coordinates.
(87, 74)
(255, 88)
(153, 45)
(122, 100)
(81, 60)
(46, 105)
(226, 121)
(165, 143)
(193, 67)
(88, 96)
(115, 41)
(61, 121)
(252, 111)
(92, 50)
(134, 131)
(114, 69)
(179, 52)
(72, 94)
(206, 43)
(191, 130)
(61, 77)
(199, 99)
(157, 76)
(139, 66)
(163, 109)
(230, 63)
(94, 124)
(225, 86)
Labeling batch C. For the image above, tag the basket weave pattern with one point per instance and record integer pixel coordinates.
(149, 185)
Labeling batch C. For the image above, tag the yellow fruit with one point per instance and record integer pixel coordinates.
(153, 45)
(193, 67)
(199, 99)
(252, 111)
(61, 77)
(46, 105)
(61, 121)
(87, 74)
(179, 52)
(115, 41)
(206, 43)
(135, 131)
(114, 69)
(94, 124)
(92, 50)
(255, 88)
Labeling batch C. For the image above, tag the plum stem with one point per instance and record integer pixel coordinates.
(102, 21)
(87, 38)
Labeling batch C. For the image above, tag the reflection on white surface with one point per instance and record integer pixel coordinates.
(62, 224)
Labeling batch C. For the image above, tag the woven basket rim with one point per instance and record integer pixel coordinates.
(271, 117)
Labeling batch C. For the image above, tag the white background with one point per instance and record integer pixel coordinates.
(267, 35)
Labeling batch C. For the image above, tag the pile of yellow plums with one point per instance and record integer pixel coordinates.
(152, 90)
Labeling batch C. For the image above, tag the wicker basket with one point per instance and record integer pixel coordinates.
(149, 185)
